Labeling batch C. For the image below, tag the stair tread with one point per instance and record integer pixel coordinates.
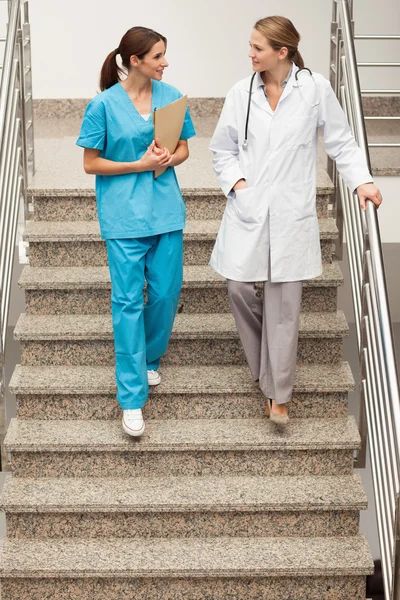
(201, 184)
(89, 231)
(218, 379)
(186, 326)
(183, 494)
(210, 557)
(35, 278)
(182, 435)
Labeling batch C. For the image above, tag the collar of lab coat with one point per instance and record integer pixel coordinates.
(258, 93)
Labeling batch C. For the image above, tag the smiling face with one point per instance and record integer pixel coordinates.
(152, 65)
(263, 56)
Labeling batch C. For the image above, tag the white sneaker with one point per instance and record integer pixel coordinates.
(132, 422)
(153, 377)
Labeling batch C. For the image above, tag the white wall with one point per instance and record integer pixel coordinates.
(208, 39)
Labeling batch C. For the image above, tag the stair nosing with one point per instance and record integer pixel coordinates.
(40, 192)
(80, 495)
(89, 231)
(265, 436)
(210, 557)
(339, 378)
(197, 276)
(99, 327)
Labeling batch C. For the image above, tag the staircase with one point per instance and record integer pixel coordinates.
(214, 501)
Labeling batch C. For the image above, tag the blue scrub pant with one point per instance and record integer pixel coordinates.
(142, 331)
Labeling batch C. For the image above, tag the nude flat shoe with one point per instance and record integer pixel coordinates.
(277, 419)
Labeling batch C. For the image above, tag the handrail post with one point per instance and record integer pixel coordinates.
(16, 162)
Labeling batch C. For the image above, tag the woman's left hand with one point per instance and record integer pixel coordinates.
(158, 149)
(369, 191)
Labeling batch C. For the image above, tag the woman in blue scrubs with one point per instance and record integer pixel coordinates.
(141, 218)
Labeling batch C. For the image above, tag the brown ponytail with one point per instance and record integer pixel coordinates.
(137, 41)
(110, 71)
(281, 33)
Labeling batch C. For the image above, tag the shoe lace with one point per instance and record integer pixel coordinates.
(133, 412)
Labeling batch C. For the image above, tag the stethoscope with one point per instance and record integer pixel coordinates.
(296, 75)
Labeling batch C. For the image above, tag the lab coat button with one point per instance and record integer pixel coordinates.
(258, 294)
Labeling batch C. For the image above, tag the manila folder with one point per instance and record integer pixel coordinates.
(168, 124)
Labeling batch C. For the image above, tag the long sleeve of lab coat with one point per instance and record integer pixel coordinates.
(339, 142)
(224, 145)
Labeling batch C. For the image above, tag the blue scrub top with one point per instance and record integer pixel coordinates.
(132, 205)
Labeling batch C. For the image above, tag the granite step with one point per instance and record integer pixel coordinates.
(170, 507)
(208, 339)
(84, 290)
(187, 447)
(78, 243)
(201, 203)
(217, 568)
(218, 392)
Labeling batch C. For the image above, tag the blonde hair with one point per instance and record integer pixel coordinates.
(281, 33)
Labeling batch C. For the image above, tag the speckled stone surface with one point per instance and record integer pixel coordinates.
(193, 300)
(71, 302)
(196, 339)
(214, 558)
(248, 405)
(61, 165)
(88, 231)
(183, 507)
(150, 525)
(56, 205)
(77, 243)
(191, 447)
(193, 434)
(98, 327)
(98, 277)
(203, 290)
(179, 352)
(200, 463)
(62, 108)
(70, 108)
(74, 108)
(211, 468)
(183, 494)
(175, 380)
(276, 588)
(381, 105)
(83, 254)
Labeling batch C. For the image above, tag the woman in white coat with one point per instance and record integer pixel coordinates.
(269, 231)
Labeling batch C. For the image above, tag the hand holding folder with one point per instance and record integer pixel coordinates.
(168, 123)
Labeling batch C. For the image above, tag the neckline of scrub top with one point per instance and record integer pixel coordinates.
(141, 125)
(154, 89)
(146, 116)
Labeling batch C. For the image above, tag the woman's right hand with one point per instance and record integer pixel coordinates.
(153, 159)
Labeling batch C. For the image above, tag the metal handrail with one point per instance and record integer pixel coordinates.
(16, 157)
(379, 385)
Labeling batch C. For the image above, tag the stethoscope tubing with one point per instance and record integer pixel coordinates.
(246, 129)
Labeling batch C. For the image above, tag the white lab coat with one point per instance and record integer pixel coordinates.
(276, 215)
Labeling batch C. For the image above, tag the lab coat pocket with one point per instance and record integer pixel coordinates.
(300, 131)
(303, 202)
(244, 205)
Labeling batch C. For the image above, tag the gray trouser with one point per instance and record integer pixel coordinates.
(268, 330)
